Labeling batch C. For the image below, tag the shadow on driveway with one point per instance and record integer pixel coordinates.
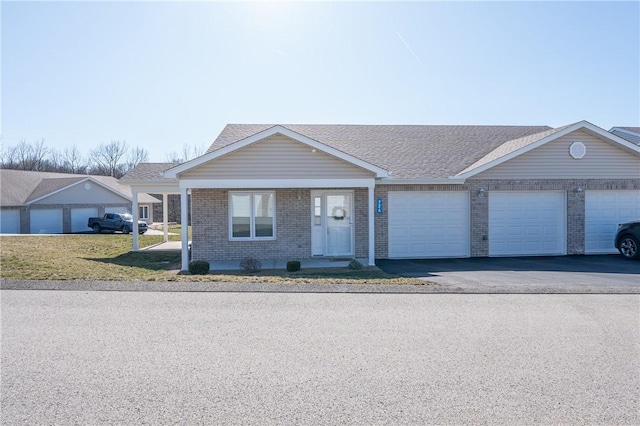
(606, 264)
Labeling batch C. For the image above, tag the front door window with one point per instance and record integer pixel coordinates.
(332, 224)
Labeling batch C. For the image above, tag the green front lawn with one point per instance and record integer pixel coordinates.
(109, 257)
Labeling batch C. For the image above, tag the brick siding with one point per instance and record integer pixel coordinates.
(293, 218)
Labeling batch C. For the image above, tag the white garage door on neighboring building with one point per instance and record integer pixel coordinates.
(527, 223)
(46, 221)
(604, 210)
(10, 221)
(80, 217)
(428, 224)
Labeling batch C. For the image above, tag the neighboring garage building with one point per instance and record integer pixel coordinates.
(300, 191)
(56, 203)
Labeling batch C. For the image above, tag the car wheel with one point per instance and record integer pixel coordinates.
(629, 247)
(96, 228)
(125, 229)
(141, 232)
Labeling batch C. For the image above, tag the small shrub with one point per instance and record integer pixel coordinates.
(199, 267)
(293, 265)
(355, 265)
(251, 264)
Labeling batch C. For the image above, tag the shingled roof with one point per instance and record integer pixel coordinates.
(19, 187)
(632, 134)
(407, 151)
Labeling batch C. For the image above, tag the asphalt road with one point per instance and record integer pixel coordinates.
(94, 357)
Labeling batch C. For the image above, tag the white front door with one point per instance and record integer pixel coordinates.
(332, 224)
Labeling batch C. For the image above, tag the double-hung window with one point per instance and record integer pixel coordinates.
(252, 215)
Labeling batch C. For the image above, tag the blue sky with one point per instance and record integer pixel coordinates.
(159, 75)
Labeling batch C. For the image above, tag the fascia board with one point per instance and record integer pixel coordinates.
(275, 183)
(578, 126)
(453, 180)
(175, 171)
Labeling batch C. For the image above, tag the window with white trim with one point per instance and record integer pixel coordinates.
(144, 212)
(252, 215)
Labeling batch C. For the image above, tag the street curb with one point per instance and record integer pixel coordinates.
(235, 287)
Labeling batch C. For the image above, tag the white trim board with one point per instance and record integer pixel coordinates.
(275, 183)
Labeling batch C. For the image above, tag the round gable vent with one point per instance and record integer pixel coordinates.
(577, 150)
(87, 186)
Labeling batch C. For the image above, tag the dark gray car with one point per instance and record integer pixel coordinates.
(628, 239)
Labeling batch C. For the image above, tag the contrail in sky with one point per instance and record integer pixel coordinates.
(408, 47)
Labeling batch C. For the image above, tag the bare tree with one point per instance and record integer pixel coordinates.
(136, 155)
(107, 158)
(26, 156)
(73, 162)
(188, 152)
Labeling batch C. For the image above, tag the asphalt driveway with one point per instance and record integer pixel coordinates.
(595, 274)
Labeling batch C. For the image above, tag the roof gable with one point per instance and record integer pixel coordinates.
(277, 157)
(271, 131)
(20, 187)
(517, 147)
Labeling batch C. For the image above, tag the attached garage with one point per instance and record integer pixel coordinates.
(46, 221)
(10, 221)
(80, 217)
(604, 210)
(527, 223)
(428, 224)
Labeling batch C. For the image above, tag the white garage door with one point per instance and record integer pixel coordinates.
(527, 223)
(604, 210)
(428, 224)
(46, 221)
(10, 221)
(80, 217)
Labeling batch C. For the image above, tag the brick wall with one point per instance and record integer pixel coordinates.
(173, 210)
(210, 228)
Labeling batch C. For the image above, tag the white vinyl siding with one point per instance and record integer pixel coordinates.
(116, 209)
(10, 221)
(80, 217)
(552, 161)
(277, 157)
(428, 224)
(84, 193)
(604, 210)
(527, 223)
(252, 215)
(46, 221)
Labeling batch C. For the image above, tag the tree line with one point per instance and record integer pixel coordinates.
(114, 158)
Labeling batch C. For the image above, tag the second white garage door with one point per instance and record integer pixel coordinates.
(80, 217)
(428, 224)
(527, 223)
(604, 210)
(46, 221)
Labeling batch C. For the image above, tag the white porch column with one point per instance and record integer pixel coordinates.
(135, 213)
(372, 228)
(184, 222)
(165, 216)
